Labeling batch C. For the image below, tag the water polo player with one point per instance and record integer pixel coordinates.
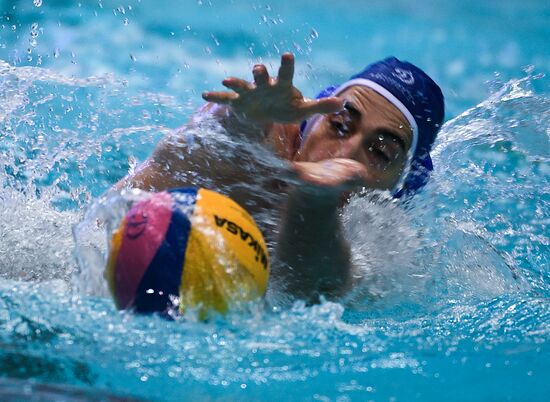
(375, 130)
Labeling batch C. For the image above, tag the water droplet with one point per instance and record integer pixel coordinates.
(125, 21)
(132, 57)
(37, 3)
(187, 28)
(207, 50)
(56, 53)
(297, 48)
(121, 9)
(314, 34)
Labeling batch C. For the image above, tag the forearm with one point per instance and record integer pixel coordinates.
(312, 247)
(281, 138)
(177, 162)
(236, 124)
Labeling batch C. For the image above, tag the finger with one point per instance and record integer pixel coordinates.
(286, 71)
(338, 173)
(236, 84)
(261, 77)
(314, 173)
(323, 106)
(220, 97)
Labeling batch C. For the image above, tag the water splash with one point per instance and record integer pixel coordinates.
(63, 142)
(85, 342)
(467, 261)
(493, 178)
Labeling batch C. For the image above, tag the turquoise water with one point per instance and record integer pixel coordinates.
(462, 311)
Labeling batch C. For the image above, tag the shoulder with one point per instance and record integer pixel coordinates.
(284, 139)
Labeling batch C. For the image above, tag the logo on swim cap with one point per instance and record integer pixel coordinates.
(404, 76)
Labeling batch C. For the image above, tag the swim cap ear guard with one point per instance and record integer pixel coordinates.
(420, 100)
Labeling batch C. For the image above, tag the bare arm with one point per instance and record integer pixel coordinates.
(311, 241)
(311, 246)
(174, 162)
(265, 111)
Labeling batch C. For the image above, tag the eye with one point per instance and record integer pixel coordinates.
(380, 152)
(341, 122)
(339, 125)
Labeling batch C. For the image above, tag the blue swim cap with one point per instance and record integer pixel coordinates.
(420, 100)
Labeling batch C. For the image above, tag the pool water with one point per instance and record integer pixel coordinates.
(460, 277)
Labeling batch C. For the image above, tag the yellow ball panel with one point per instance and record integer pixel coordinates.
(239, 231)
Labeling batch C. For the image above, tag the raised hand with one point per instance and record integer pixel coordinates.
(271, 100)
(331, 176)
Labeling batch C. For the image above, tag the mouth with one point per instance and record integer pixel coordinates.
(137, 223)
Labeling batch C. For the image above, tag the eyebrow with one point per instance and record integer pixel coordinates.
(352, 109)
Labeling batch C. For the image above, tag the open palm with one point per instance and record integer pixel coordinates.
(271, 100)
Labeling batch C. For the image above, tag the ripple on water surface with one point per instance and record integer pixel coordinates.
(452, 292)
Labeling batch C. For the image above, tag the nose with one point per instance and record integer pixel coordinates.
(349, 147)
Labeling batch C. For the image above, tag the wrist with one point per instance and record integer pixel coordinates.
(309, 196)
(238, 122)
(242, 119)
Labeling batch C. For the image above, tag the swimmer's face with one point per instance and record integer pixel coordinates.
(370, 130)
